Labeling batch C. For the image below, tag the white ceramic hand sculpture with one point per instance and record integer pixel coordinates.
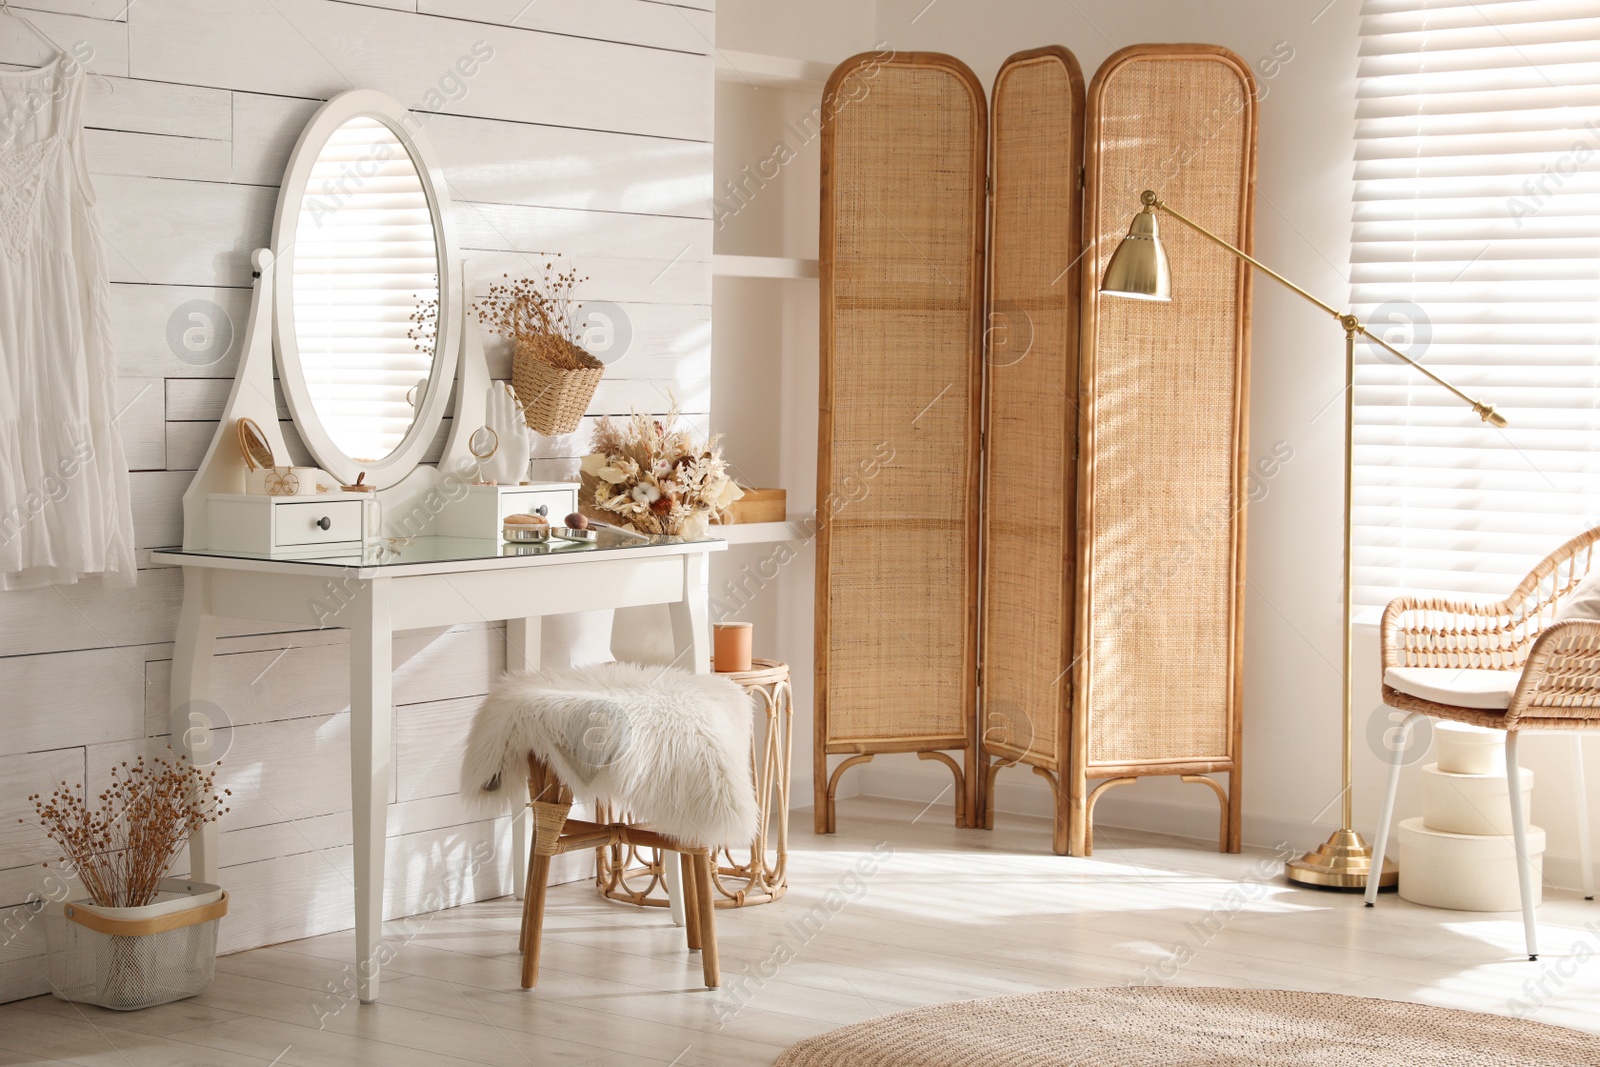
(509, 464)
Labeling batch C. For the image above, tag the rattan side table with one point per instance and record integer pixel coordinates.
(634, 876)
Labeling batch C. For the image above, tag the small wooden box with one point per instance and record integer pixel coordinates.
(760, 505)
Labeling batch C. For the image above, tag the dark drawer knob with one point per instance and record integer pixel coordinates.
(542, 509)
(325, 523)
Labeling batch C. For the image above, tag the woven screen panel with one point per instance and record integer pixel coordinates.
(897, 627)
(1035, 246)
(1164, 397)
(901, 293)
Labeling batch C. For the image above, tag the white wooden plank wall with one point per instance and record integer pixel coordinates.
(587, 132)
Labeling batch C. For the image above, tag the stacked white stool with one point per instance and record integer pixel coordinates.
(1461, 854)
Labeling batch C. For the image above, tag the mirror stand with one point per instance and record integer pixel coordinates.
(363, 219)
(212, 505)
(222, 471)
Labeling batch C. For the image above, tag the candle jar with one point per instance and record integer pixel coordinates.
(731, 643)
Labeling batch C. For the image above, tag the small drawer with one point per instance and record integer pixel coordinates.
(557, 504)
(316, 523)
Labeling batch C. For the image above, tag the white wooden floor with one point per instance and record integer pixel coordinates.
(946, 915)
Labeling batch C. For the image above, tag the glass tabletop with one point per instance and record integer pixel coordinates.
(409, 551)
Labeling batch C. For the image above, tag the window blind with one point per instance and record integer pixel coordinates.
(1476, 251)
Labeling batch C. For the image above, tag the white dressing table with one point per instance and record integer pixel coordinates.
(362, 251)
(433, 581)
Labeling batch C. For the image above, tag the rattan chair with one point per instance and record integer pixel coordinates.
(1507, 666)
(550, 801)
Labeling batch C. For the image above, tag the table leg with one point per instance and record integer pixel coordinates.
(371, 767)
(192, 716)
(691, 621)
(523, 641)
(691, 647)
(672, 882)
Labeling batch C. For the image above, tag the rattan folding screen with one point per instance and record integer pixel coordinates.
(1113, 433)
(897, 472)
(1162, 436)
(1029, 534)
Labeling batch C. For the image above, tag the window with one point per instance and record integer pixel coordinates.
(1477, 251)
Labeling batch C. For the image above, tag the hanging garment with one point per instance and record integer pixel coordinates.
(64, 501)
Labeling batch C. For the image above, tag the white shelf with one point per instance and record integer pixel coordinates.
(771, 72)
(759, 533)
(762, 267)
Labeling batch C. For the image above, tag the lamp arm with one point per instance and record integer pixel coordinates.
(1482, 409)
(1151, 200)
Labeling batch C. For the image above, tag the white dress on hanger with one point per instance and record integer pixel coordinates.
(64, 501)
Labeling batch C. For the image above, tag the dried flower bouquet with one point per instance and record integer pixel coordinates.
(657, 479)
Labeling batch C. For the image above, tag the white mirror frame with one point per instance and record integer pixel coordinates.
(391, 469)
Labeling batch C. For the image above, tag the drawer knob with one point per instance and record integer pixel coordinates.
(542, 509)
(325, 523)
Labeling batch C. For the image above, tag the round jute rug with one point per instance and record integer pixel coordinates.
(1168, 1027)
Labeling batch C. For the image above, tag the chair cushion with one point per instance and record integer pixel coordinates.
(670, 747)
(1583, 602)
(1459, 687)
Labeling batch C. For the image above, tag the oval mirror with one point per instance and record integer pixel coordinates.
(365, 304)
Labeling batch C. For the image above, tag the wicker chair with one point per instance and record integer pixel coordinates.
(554, 833)
(1508, 666)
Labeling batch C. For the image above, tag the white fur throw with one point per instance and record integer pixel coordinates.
(671, 747)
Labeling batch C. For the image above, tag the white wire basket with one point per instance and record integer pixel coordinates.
(131, 958)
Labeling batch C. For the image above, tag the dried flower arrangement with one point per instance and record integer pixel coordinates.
(539, 316)
(657, 479)
(122, 848)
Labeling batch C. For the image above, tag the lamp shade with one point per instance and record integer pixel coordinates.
(1138, 268)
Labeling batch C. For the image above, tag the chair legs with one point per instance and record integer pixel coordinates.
(699, 913)
(533, 917)
(527, 906)
(1519, 830)
(1519, 827)
(1381, 844)
(687, 892)
(549, 819)
(709, 962)
(1585, 845)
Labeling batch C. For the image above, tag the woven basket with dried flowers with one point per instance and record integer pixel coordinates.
(139, 940)
(656, 479)
(554, 377)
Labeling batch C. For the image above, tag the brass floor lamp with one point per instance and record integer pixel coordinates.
(1138, 269)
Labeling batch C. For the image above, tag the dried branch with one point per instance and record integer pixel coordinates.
(126, 842)
(538, 315)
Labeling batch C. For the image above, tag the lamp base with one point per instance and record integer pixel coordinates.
(1341, 862)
